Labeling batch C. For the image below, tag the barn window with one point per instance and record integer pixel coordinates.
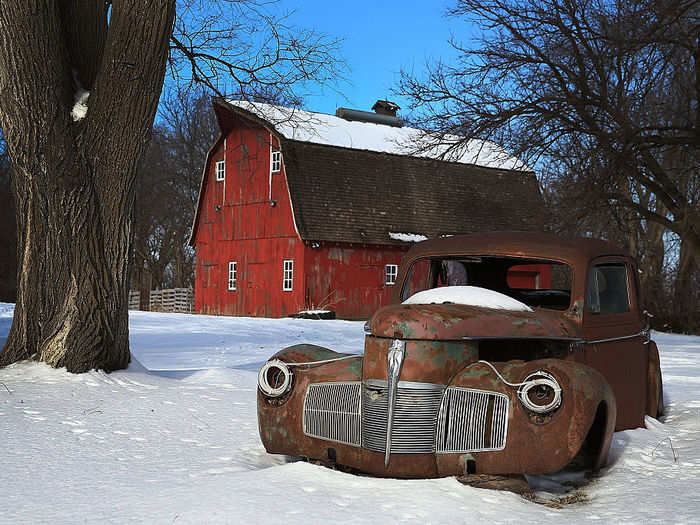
(287, 276)
(276, 161)
(390, 271)
(232, 275)
(220, 170)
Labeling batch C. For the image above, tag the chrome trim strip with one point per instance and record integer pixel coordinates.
(526, 337)
(611, 339)
(414, 385)
(550, 338)
(394, 362)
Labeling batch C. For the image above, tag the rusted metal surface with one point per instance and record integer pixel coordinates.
(426, 361)
(563, 380)
(655, 394)
(516, 244)
(459, 322)
(558, 437)
(547, 444)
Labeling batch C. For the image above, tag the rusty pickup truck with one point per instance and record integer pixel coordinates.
(500, 353)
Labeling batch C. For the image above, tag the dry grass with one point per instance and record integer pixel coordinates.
(559, 502)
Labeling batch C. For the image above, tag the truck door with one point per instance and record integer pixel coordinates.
(615, 343)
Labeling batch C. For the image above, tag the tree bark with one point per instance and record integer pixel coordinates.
(73, 180)
(685, 292)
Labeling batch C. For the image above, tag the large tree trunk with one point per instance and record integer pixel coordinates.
(73, 180)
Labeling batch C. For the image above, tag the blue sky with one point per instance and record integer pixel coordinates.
(380, 38)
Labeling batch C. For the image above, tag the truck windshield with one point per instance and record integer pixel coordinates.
(537, 283)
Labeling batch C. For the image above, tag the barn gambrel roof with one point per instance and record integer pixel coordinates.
(363, 183)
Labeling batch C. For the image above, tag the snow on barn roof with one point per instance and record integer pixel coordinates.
(407, 237)
(331, 130)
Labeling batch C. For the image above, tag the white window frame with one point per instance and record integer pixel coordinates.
(276, 161)
(232, 275)
(390, 272)
(220, 170)
(287, 275)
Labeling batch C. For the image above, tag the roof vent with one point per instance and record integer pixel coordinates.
(385, 114)
(385, 107)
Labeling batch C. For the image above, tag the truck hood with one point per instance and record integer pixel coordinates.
(459, 322)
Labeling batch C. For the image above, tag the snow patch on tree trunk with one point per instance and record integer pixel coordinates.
(80, 107)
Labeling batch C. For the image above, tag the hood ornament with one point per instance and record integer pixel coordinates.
(394, 361)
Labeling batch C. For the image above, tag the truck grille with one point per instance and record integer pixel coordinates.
(332, 412)
(415, 415)
(472, 421)
(428, 417)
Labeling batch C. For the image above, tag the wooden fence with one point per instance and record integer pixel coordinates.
(171, 300)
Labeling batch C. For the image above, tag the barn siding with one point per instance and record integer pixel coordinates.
(349, 279)
(249, 229)
(530, 276)
(259, 281)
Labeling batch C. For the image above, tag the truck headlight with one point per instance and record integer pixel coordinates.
(275, 378)
(540, 392)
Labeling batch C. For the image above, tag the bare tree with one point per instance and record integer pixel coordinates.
(79, 86)
(614, 82)
(168, 185)
(158, 203)
(190, 130)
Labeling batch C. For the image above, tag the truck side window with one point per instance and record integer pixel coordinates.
(417, 280)
(607, 291)
(452, 273)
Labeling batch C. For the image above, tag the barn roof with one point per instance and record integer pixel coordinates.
(360, 182)
(346, 195)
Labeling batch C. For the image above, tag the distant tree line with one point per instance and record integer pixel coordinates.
(168, 184)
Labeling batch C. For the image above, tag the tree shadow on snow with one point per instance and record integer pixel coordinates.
(185, 373)
(249, 367)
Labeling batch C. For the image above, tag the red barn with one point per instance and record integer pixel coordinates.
(301, 210)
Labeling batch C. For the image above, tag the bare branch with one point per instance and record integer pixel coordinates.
(243, 49)
(618, 81)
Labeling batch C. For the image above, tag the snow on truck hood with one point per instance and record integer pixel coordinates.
(468, 295)
(467, 312)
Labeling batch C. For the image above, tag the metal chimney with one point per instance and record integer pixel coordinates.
(385, 107)
(384, 113)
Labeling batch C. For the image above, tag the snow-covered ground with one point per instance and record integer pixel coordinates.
(180, 445)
